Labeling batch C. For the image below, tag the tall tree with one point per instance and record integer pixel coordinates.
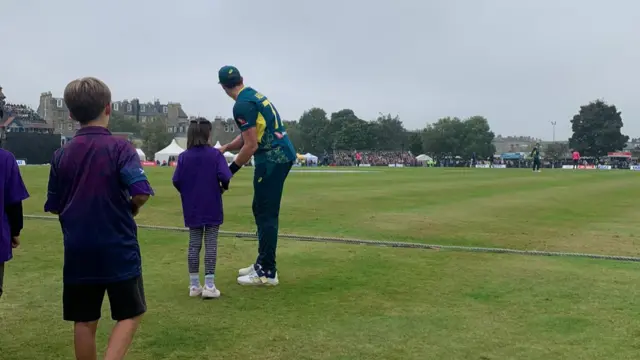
(312, 128)
(293, 130)
(478, 137)
(597, 129)
(155, 136)
(389, 132)
(556, 151)
(120, 123)
(415, 143)
(444, 137)
(452, 136)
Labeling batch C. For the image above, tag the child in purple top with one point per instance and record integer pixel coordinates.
(201, 176)
(96, 187)
(12, 193)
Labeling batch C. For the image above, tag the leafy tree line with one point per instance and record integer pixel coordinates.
(316, 132)
(596, 131)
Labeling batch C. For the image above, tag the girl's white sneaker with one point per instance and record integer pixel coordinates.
(210, 292)
(195, 291)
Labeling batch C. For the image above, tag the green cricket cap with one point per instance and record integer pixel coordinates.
(228, 75)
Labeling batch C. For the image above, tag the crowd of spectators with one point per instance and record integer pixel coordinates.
(369, 157)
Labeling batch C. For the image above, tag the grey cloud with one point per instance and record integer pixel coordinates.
(521, 64)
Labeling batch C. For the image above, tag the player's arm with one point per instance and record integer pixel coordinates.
(246, 116)
(235, 144)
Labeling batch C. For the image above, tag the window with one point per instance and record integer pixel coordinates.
(59, 103)
(170, 129)
(143, 108)
(116, 106)
(69, 126)
(128, 107)
(165, 109)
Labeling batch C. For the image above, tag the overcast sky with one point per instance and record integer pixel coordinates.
(522, 64)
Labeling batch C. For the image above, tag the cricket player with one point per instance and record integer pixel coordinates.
(535, 154)
(264, 137)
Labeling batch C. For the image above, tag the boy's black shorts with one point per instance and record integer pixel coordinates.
(83, 302)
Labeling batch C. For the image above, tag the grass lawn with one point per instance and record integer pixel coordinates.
(357, 302)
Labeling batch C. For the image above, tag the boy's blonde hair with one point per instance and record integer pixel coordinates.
(86, 99)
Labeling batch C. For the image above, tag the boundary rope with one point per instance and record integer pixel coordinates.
(396, 244)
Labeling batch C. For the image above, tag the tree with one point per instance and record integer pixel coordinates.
(155, 136)
(293, 130)
(556, 151)
(478, 137)
(597, 129)
(415, 143)
(389, 132)
(312, 128)
(452, 136)
(120, 123)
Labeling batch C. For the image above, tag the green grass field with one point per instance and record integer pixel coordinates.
(357, 302)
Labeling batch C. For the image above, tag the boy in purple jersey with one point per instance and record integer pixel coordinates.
(96, 187)
(12, 193)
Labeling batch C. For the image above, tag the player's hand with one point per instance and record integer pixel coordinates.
(15, 242)
(223, 149)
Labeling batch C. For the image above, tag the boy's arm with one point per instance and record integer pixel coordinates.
(133, 177)
(15, 218)
(53, 199)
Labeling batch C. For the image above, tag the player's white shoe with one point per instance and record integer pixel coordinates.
(255, 279)
(210, 292)
(195, 291)
(247, 271)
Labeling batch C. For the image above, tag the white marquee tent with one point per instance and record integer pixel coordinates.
(311, 157)
(141, 155)
(217, 145)
(172, 150)
(424, 157)
(229, 156)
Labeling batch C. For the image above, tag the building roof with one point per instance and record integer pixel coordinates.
(22, 116)
(146, 109)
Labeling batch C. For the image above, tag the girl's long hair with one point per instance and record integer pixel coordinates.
(198, 133)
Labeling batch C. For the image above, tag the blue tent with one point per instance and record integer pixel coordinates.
(512, 156)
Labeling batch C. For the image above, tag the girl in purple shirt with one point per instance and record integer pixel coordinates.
(201, 176)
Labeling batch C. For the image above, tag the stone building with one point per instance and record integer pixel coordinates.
(222, 130)
(55, 112)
